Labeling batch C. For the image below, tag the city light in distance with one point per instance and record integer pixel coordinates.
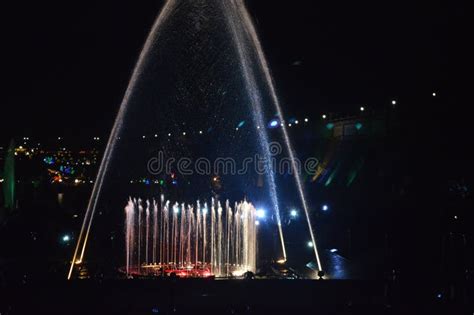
(273, 123)
(257, 222)
(394, 102)
(200, 132)
(309, 244)
(184, 133)
(306, 120)
(296, 122)
(66, 238)
(324, 116)
(362, 108)
(434, 94)
(325, 207)
(294, 213)
(333, 250)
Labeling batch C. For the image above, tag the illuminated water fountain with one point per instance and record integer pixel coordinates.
(189, 240)
(201, 90)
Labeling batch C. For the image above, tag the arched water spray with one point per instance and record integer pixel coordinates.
(104, 165)
(239, 12)
(212, 51)
(237, 29)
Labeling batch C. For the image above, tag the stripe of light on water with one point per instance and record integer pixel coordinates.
(255, 97)
(104, 165)
(263, 63)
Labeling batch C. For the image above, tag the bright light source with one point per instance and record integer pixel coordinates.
(204, 211)
(324, 116)
(176, 209)
(257, 222)
(169, 135)
(362, 108)
(310, 244)
(394, 102)
(289, 125)
(325, 207)
(200, 132)
(184, 133)
(296, 122)
(333, 250)
(455, 217)
(143, 137)
(281, 261)
(273, 123)
(306, 120)
(66, 238)
(238, 273)
(260, 213)
(434, 94)
(156, 136)
(294, 213)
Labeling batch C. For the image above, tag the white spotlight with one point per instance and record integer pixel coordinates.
(260, 213)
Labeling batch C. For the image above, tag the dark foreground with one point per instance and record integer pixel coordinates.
(200, 296)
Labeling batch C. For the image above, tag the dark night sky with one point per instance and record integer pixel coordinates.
(65, 66)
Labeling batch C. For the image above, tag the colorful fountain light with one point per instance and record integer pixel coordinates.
(224, 68)
(189, 240)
